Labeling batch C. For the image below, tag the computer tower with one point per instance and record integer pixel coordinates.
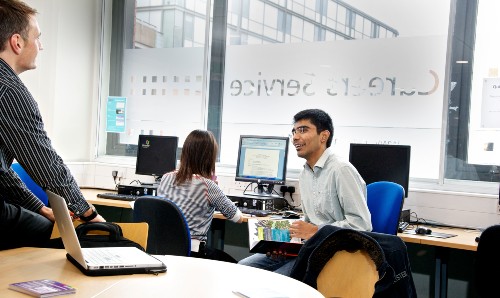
(259, 203)
(137, 190)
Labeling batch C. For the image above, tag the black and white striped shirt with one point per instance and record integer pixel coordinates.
(198, 199)
(23, 137)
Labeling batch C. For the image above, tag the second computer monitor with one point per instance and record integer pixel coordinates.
(262, 159)
(378, 162)
(156, 155)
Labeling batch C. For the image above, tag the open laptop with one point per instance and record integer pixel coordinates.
(100, 260)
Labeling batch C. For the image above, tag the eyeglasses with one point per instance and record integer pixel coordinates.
(300, 130)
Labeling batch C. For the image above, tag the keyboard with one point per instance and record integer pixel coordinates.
(100, 255)
(115, 196)
(256, 212)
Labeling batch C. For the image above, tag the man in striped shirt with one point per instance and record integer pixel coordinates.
(24, 219)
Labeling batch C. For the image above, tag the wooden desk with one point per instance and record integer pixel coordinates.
(186, 277)
(90, 195)
(217, 229)
(464, 239)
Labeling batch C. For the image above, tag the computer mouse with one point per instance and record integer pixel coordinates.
(291, 214)
(423, 231)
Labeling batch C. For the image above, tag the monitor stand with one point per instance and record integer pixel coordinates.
(261, 192)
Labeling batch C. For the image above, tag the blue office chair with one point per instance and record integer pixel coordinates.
(168, 230)
(385, 201)
(30, 184)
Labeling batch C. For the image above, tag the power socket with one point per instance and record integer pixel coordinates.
(114, 174)
(117, 176)
(498, 208)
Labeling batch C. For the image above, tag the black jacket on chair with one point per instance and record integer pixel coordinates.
(487, 273)
(397, 281)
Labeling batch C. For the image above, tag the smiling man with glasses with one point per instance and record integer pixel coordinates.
(331, 189)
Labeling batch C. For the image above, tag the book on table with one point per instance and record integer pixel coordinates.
(272, 236)
(42, 288)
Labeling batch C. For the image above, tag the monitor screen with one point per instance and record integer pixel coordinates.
(376, 162)
(262, 159)
(156, 155)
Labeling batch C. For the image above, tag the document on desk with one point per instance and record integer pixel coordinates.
(259, 293)
(433, 234)
(272, 236)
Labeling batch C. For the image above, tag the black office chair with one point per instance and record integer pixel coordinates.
(168, 230)
(487, 272)
(347, 263)
(315, 254)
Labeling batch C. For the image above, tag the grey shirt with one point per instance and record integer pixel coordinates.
(334, 193)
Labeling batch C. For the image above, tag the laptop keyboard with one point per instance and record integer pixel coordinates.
(115, 196)
(101, 256)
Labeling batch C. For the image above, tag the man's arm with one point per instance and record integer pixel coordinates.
(15, 191)
(351, 192)
(23, 137)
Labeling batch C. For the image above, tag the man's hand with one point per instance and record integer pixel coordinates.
(47, 212)
(302, 229)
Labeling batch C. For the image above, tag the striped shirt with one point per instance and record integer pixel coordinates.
(23, 137)
(198, 199)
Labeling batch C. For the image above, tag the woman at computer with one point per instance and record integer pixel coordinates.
(193, 188)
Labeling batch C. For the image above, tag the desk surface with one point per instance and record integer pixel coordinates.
(465, 239)
(91, 195)
(186, 277)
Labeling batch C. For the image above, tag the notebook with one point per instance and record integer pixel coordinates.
(100, 260)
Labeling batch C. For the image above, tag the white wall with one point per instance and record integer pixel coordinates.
(65, 85)
(65, 82)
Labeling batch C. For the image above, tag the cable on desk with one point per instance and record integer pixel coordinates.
(422, 221)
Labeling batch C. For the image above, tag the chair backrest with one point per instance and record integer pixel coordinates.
(168, 230)
(347, 263)
(347, 275)
(30, 184)
(385, 201)
(487, 272)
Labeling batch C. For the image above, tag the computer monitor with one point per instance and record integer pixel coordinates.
(262, 160)
(377, 162)
(156, 155)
